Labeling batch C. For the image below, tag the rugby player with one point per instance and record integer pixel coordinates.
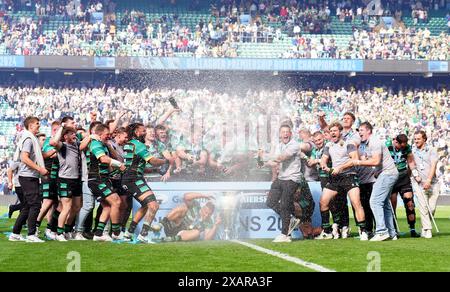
(136, 156)
(343, 179)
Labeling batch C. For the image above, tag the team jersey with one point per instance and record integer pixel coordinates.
(116, 173)
(96, 168)
(399, 156)
(156, 149)
(317, 154)
(192, 220)
(51, 164)
(136, 156)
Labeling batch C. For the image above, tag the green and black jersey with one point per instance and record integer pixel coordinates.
(51, 164)
(97, 169)
(317, 154)
(156, 149)
(400, 156)
(193, 219)
(136, 156)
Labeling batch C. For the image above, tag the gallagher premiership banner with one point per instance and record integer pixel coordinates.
(241, 206)
(243, 64)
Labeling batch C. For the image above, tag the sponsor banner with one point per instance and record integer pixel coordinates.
(241, 205)
(246, 64)
(223, 64)
(104, 62)
(438, 66)
(12, 61)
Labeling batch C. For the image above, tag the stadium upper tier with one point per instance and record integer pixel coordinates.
(142, 29)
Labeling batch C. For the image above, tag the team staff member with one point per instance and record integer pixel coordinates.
(375, 154)
(31, 167)
(283, 189)
(426, 158)
(366, 175)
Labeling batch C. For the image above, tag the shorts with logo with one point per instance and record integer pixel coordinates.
(137, 188)
(117, 187)
(342, 183)
(68, 188)
(100, 187)
(48, 188)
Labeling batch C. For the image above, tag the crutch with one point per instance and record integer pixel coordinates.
(420, 191)
(395, 217)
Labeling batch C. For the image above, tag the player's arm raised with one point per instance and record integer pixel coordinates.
(55, 141)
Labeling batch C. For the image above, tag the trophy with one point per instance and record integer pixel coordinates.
(229, 203)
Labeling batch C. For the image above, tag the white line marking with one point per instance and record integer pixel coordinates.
(285, 257)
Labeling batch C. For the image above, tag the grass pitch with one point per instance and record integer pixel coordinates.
(406, 254)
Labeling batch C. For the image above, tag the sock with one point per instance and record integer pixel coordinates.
(38, 224)
(362, 225)
(54, 221)
(67, 228)
(132, 227)
(326, 221)
(60, 230)
(115, 228)
(100, 228)
(145, 229)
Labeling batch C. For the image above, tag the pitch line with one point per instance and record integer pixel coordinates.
(284, 256)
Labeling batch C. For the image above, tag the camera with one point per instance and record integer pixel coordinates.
(164, 168)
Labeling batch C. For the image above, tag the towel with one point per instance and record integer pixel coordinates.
(37, 148)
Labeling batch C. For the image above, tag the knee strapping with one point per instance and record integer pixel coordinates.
(147, 200)
(409, 204)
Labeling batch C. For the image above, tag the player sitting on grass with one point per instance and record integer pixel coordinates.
(190, 221)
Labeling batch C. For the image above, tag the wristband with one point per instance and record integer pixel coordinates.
(115, 163)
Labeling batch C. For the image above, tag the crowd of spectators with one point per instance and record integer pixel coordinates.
(136, 34)
(385, 44)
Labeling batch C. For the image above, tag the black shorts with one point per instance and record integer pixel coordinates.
(100, 187)
(170, 229)
(323, 181)
(342, 183)
(117, 187)
(68, 188)
(137, 188)
(49, 189)
(403, 185)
